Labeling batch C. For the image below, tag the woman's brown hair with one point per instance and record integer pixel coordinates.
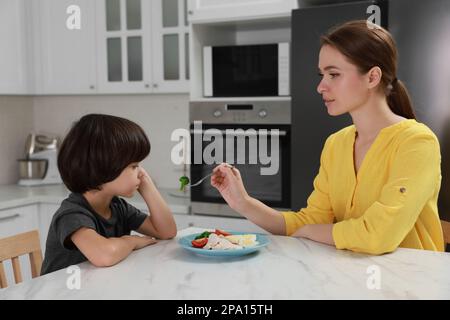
(97, 149)
(367, 45)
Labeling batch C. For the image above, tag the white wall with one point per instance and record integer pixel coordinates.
(16, 121)
(158, 115)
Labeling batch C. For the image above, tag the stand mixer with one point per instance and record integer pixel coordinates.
(39, 167)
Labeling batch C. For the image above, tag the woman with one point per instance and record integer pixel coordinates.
(379, 179)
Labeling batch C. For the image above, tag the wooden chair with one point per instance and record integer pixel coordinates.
(446, 230)
(15, 246)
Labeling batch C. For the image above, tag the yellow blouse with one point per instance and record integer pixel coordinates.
(390, 203)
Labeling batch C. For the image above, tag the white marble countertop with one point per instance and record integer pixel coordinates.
(15, 196)
(288, 268)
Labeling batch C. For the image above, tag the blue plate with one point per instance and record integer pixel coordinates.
(185, 242)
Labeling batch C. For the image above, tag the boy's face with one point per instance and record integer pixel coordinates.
(126, 183)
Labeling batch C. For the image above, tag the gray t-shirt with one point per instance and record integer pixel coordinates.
(75, 212)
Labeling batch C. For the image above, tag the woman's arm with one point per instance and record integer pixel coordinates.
(319, 211)
(229, 183)
(105, 252)
(160, 223)
(322, 233)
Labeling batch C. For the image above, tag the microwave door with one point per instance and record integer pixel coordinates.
(246, 70)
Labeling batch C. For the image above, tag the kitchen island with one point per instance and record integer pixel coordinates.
(288, 268)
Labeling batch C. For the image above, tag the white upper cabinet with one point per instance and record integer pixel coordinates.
(141, 46)
(170, 43)
(206, 11)
(66, 47)
(123, 43)
(94, 46)
(15, 55)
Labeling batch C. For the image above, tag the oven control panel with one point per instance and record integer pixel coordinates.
(263, 112)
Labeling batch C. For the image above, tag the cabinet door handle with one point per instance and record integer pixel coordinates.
(191, 224)
(9, 217)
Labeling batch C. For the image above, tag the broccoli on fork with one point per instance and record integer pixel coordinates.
(184, 182)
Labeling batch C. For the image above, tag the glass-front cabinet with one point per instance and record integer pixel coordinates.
(171, 45)
(123, 42)
(142, 46)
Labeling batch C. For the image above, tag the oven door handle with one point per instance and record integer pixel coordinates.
(281, 133)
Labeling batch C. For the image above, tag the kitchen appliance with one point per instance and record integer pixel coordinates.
(420, 29)
(246, 70)
(242, 130)
(39, 167)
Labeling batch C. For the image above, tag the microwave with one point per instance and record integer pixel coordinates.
(260, 70)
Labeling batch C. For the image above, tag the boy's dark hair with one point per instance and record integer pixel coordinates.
(97, 149)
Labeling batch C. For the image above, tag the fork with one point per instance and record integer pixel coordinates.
(203, 179)
(199, 181)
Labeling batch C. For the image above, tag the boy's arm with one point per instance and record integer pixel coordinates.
(105, 252)
(160, 223)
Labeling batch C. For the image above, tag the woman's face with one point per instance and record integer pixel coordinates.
(126, 183)
(343, 87)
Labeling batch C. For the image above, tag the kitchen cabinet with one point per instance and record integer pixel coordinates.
(15, 54)
(14, 221)
(22, 219)
(94, 47)
(65, 61)
(170, 43)
(142, 46)
(18, 220)
(201, 11)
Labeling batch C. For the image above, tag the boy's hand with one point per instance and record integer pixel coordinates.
(141, 241)
(145, 179)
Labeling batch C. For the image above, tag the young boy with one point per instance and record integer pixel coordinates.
(98, 162)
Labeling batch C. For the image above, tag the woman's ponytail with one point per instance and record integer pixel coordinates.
(399, 100)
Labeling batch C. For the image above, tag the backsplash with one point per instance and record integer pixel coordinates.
(16, 121)
(158, 115)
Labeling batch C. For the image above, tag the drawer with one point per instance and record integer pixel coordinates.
(18, 220)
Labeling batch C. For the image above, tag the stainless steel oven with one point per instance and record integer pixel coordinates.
(254, 136)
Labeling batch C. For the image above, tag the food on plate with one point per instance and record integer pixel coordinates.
(222, 240)
(184, 181)
(199, 243)
(216, 231)
(245, 240)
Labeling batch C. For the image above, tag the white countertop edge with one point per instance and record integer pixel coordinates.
(20, 200)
